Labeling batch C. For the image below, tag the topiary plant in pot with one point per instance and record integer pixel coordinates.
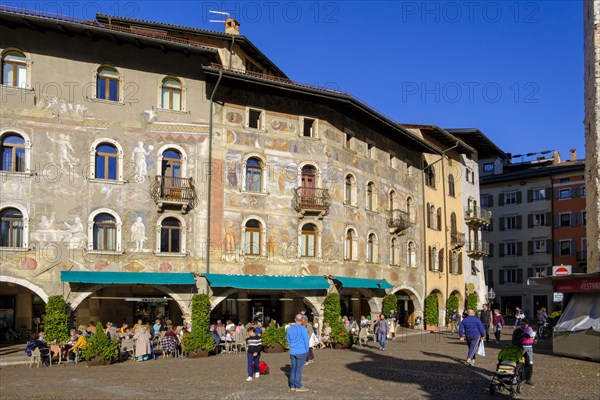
(332, 315)
(57, 320)
(451, 305)
(199, 343)
(431, 312)
(472, 301)
(390, 302)
(274, 340)
(100, 349)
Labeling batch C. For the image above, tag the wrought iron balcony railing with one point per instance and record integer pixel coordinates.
(174, 192)
(311, 200)
(398, 221)
(457, 239)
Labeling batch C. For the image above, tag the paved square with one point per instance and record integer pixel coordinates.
(418, 366)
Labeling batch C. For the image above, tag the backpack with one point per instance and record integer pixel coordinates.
(263, 367)
(31, 345)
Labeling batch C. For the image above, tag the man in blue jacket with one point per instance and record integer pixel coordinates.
(473, 330)
(297, 338)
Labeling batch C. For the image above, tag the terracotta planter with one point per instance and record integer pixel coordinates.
(198, 354)
(342, 346)
(97, 363)
(275, 349)
(431, 328)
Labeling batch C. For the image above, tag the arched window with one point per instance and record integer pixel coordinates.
(171, 168)
(351, 245)
(308, 240)
(12, 148)
(393, 200)
(350, 190)
(372, 248)
(454, 262)
(170, 98)
(411, 258)
(11, 228)
(105, 232)
(371, 197)
(431, 216)
(254, 178)
(439, 219)
(107, 162)
(253, 238)
(453, 227)
(107, 84)
(308, 182)
(14, 69)
(394, 252)
(409, 206)
(451, 190)
(170, 235)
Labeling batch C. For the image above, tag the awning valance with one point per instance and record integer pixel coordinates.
(129, 278)
(362, 283)
(267, 282)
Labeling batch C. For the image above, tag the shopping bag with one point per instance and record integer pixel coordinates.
(481, 349)
(314, 340)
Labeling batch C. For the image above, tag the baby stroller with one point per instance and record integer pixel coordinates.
(509, 372)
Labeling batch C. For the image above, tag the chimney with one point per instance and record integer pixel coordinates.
(556, 157)
(573, 154)
(232, 27)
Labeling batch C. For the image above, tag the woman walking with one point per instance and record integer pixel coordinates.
(498, 324)
(382, 331)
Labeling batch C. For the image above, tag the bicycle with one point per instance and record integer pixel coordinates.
(543, 330)
(14, 336)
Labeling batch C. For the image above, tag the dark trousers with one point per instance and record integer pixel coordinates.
(528, 370)
(311, 355)
(486, 327)
(497, 332)
(253, 363)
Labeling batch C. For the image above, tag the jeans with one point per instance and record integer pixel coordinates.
(486, 328)
(381, 338)
(473, 342)
(528, 370)
(253, 363)
(298, 361)
(497, 332)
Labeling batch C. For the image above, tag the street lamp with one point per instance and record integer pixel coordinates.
(491, 294)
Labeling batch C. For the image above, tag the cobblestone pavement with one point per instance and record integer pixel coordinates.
(416, 366)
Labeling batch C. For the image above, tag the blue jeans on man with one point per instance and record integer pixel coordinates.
(381, 339)
(298, 361)
(473, 342)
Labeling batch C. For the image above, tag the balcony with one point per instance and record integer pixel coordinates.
(176, 193)
(397, 221)
(477, 216)
(582, 256)
(312, 201)
(457, 240)
(478, 249)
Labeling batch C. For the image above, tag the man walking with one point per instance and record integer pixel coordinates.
(486, 320)
(297, 338)
(472, 328)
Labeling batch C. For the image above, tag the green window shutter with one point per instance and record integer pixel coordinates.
(529, 196)
(491, 225)
(491, 254)
(501, 250)
(548, 219)
(548, 193)
(519, 275)
(520, 248)
(519, 222)
(530, 247)
(549, 246)
(519, 197)
(501, 223)
(501, 199)
(529, 272)
(530, 220)
(501, 277)
(490, 200)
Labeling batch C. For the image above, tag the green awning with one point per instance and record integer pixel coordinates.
(268, 282)
(362, 283)
(128, 278)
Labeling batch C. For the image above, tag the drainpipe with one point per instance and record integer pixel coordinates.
(210, 140)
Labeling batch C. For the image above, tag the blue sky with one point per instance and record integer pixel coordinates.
(513, 69)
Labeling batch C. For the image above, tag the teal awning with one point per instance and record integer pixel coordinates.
(129, 278)
(362, 283)
(267, 282)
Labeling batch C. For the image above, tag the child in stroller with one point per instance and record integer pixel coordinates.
(509, 371)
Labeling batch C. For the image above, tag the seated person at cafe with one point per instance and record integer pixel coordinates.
(124, 328)
(91, 328)
(213, 331)
(111, 331)
(156, 328)
(170, 342)
(77, 347)
(229, 326)
(39, 343)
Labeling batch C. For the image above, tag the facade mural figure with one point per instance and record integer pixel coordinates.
(138, 156)
(75, 236)
(46, 233)
(138, 234)
(64, 147)
(230, 239)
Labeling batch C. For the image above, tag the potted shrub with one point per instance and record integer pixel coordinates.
(100, 349)
(340, 336)
(390, 302)
(274, 340)
(199, 343)
(431, 312)
(57, 320)
(472, 301)
(451, 305)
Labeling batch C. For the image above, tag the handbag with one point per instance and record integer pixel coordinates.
(481, 349)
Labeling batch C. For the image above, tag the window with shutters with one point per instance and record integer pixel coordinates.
(539, 194)
(510, 223)
(565, 247)
(539, 246)
(451, 189)
(564, 194)
(564, 220)
(510, 198)
(583, 218)
(485, 200)
(510, 249)
(490, 277)
(538, 219)
(511, 276)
